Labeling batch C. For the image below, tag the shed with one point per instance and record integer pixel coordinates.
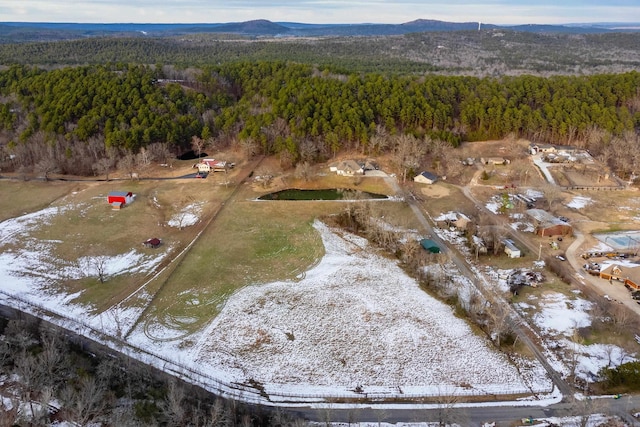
(154, 242)
(511, 249)
(425, 178)
(430, 246)
(118, 199)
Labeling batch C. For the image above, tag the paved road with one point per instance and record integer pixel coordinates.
(470, 416)
(514, 319)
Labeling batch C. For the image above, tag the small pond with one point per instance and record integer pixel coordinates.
(327, 194)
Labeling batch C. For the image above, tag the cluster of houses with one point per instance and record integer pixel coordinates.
(558, 153)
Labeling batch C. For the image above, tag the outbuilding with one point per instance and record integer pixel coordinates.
(154, 242)
(511, 249)
(548, 225)
(118, 199)
(430, 245)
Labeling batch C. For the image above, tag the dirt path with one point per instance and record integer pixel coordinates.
(175, 262)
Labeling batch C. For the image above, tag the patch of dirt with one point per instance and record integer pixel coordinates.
(435, 191)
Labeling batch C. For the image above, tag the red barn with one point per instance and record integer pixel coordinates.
(118, 199)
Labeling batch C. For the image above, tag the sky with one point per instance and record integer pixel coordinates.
(504, 12)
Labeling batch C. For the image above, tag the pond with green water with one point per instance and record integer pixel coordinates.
(326, 194)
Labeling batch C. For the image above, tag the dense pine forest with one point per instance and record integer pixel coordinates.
(77, 119)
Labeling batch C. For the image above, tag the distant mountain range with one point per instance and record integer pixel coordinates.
(28, 31)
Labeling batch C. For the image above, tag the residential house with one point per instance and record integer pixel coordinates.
(212, 165)
(511, 249)
(542, 148)
(629, 274)
(548, 225)
(455, 219)
(346, 168)
(425, 178)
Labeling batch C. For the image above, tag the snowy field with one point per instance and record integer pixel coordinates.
(355, 321)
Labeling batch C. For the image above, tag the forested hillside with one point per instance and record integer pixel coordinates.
(72, 119)
(477, 53)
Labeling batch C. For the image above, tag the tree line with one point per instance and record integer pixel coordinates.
(56, 381)
(298, 111)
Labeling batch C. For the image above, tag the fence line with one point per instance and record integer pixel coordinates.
(248, 393)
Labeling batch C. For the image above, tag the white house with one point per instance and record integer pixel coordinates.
(346, 168)
(511, 249)
(425, 178)
(212, 165)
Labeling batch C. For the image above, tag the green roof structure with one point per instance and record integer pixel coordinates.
(430, 246)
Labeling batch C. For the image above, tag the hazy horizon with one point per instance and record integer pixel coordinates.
(499, 12)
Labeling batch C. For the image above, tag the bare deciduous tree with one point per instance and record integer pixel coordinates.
(85, 400)
(173, 407)
(304, 171)
(96, 266)
(499, 321)
(380, 141)
(551, 193)
(144, 159)
(408, 153)
(197, 144)
(249, 147)
(103, 166)
(127, 164)
(46, 166)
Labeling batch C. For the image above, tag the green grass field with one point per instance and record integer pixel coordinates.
(243, 242)
(250, 242)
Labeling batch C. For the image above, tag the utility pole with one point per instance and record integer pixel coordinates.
(539, 251)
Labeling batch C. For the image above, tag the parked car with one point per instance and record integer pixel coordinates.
(561, 258)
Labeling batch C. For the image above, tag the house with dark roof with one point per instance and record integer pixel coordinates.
(425, 178)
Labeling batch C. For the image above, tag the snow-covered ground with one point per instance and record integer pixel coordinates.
(579, 202)
(355, 321)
